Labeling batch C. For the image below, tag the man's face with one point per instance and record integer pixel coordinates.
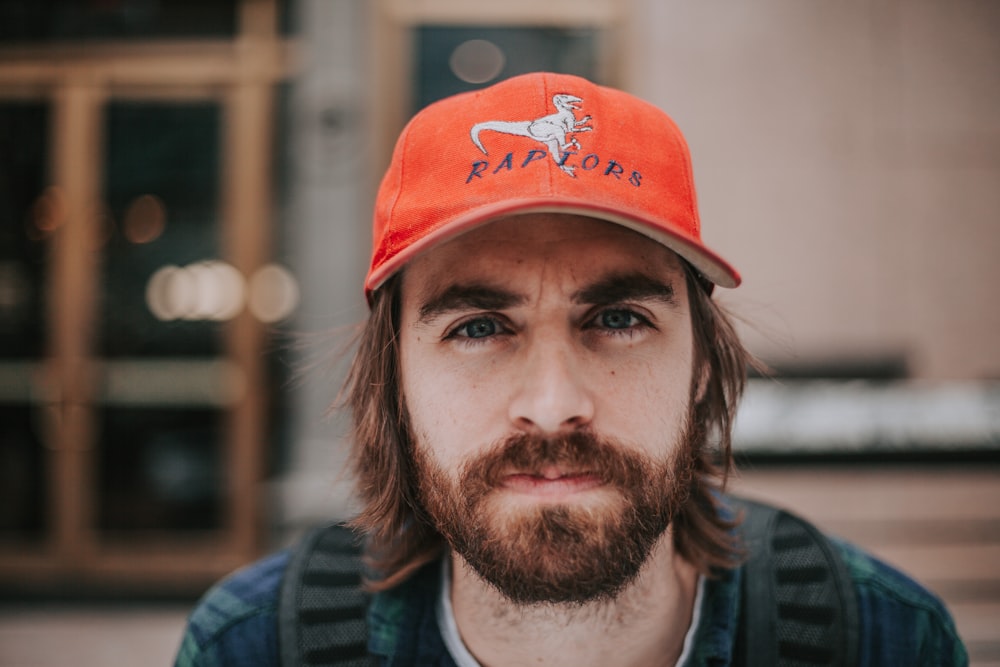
(547, 371)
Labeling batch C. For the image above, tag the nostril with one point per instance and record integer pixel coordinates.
(551, 423)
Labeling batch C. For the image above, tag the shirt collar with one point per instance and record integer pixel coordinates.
(719, 622)
(403, 625)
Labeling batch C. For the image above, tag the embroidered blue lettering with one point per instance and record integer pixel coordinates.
(508, 163)
(478, 167)
(564, 157)
(533, 155)
(565, 161)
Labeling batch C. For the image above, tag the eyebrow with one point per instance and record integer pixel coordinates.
(619, 287)
(474, 296)
(611, 289)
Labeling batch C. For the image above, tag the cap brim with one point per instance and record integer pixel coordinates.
(715, 269)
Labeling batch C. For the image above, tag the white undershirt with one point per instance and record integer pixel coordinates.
(462, 657)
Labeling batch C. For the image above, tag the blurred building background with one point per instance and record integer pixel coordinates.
(185, 193)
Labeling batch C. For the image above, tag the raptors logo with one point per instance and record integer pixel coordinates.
(554, 132)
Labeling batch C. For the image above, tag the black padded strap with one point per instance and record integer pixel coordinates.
(322, 608)
(799, 603)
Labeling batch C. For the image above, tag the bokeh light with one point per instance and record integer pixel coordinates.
(48, 213)
(145, 219)
(208, 290)
(477, 61)
(274, 293)
(216, 291)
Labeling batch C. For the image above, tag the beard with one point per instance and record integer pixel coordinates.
(588, 550)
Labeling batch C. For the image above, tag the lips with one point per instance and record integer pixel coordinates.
(531, 467)
(551, 481)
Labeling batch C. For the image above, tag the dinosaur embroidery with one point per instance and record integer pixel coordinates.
(553, 131)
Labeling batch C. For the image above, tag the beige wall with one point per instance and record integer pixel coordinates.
(848, 162)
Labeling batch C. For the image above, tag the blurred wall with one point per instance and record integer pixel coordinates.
(847, 156)
(329, 236)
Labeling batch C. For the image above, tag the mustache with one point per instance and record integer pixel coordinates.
(579, 451)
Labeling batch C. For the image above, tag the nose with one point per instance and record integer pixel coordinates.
(551, 395)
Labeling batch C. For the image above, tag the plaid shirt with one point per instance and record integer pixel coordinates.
(235, 624)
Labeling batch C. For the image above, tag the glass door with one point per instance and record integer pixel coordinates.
(165, 298)
(135, 220)
(27, 216)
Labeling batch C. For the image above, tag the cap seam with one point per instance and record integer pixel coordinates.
(550, 172)
(685, 151)
(404, 148)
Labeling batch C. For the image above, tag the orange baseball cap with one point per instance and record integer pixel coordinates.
(533, 143)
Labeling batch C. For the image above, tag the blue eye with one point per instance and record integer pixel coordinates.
(618, 319)
(480, 328)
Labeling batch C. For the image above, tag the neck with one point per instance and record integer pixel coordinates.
(647, 621)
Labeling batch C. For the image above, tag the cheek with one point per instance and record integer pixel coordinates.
(448, 407)
(647, 396)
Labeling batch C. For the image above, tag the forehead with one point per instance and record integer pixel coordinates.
(573, 247)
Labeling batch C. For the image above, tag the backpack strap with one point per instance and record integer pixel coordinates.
(799, 603)
(322, 607)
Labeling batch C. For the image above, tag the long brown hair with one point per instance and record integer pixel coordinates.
(401, 538)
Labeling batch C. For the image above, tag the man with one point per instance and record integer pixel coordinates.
(543, 399)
